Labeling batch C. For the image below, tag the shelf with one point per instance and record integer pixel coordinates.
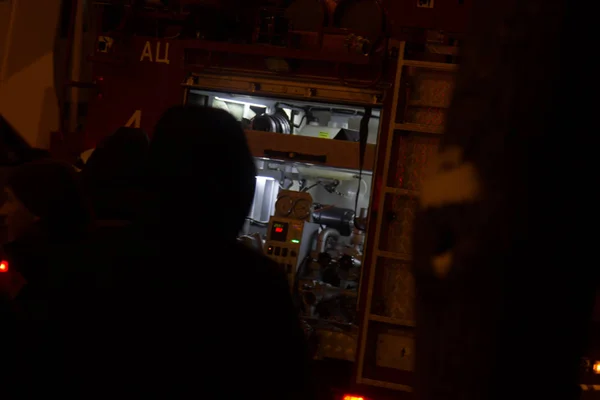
(310, 150)
(431, 65)
(385, 385)
(394, 256)
(278, 87)
(401, 192)
(433, 129)
(391, 321)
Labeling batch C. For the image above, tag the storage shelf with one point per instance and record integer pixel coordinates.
(433, 129)
(293, 148)
(437, 66)
(391, 321)
(385, 385)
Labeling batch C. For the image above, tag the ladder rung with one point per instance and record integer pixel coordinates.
(421, 128)
(401, 192)
(394, 256)
(391, 321)
(430, 65)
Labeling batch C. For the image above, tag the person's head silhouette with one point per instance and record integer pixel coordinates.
(201, 170)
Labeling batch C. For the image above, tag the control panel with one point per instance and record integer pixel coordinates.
(294, 205)
(289, 242)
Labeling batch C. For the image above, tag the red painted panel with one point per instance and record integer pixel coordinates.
(145, 85)
(446, 15)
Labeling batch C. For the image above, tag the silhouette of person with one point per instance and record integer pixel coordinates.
(112, 176)
(200, 312)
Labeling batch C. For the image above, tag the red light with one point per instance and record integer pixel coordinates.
(3, 266)
(100, 78)
(278, 230)
(350, 397)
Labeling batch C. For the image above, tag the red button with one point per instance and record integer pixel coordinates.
(3, 266)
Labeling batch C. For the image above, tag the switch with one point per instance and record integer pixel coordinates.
(270, 250)
(277, 251)
(284, 252)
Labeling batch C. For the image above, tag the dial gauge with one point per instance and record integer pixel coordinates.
(284, 206)
(302, 208)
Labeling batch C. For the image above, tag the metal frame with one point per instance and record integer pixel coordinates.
(377, 234)
(376, 253)
(287, 89)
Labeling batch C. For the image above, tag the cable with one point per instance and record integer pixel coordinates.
(363, 134)
(306, 189)
(301, 120)
(256, 222)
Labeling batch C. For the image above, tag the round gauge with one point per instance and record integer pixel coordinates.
(302, 208)
(284, 206)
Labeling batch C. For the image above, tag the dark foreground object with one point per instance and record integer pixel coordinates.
(511, 314)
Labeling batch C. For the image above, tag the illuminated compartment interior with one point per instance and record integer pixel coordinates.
(326, 281)
(295, 117)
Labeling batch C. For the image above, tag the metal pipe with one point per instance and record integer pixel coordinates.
(8, 41)
(324, 236)
(68, 56)
(77, 47)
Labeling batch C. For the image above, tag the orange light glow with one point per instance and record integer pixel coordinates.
(350, 397)
(596, 367)
(3, 266)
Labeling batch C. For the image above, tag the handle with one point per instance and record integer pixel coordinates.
(294, 156)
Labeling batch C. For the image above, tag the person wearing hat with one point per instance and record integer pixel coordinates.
(113, 175)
